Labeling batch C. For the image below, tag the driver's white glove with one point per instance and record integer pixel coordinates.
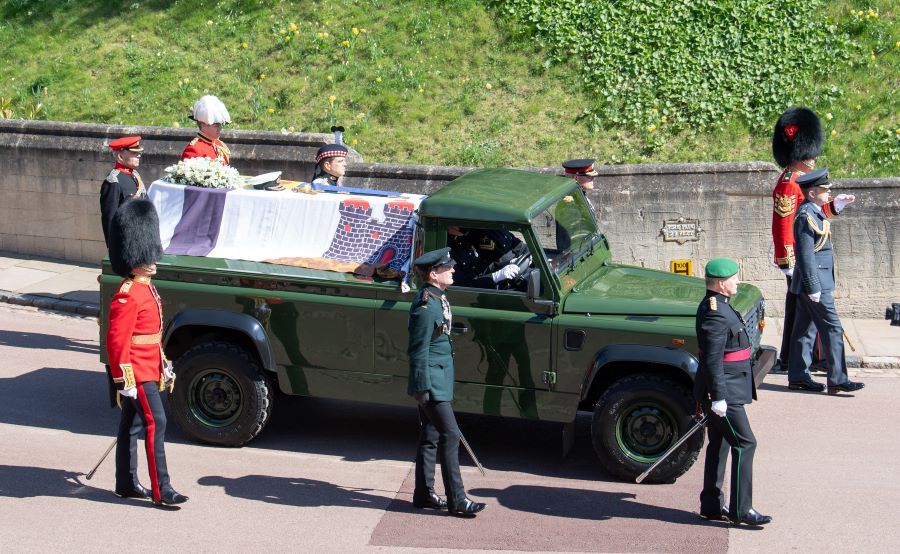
(719, 407)
(505, 273)
(789, 271)
(815, 297)
(130, 392)
(841, 200)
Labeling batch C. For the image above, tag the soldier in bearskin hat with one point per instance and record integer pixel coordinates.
(123, 181)
(211, 115)
(139, 368)
(331, 161)
(796, 143)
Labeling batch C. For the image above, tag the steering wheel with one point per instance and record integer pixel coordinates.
(524, 263)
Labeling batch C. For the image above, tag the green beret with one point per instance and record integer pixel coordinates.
(435, 258)
(721, 268)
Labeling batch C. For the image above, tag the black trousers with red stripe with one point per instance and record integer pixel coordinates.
(144, 412)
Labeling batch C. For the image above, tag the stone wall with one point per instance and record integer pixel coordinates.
(50, 175)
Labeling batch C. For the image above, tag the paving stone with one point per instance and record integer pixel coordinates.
(17, 278)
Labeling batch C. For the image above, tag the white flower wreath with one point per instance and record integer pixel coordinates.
(204, 172)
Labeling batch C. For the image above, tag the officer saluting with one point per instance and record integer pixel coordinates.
(724, 383)
(122, 182)
(431, 378)
(814, 286)
(133, 345)
(210, 114)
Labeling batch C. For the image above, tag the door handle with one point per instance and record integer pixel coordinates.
(459, 329)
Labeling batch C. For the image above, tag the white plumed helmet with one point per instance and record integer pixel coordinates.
(210, 110)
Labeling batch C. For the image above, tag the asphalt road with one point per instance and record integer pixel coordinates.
(337, 477)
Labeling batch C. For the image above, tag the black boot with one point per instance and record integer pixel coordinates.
(133, 491)
(429, 499)
(466, 508)
(168, 496)
(849, 386)
(717, 515)
(752, 517)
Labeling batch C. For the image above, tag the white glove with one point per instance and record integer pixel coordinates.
(815, 297)
(130, 392)
(505, 273)
(719, 407)
(168, 371)
(789, 271)
(422, 396)
(841, 200)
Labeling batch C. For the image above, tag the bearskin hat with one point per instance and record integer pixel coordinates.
(134, 236)
(798, 136)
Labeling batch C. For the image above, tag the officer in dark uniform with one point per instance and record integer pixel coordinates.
(123, 182)
(139, 368)
(582, 170)
(813, 284)
(431, 378)
(796, 144)
(724, 383)
(483, 256)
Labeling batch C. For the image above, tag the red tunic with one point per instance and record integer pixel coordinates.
(135, 310)
(786, 198)
(205, 147)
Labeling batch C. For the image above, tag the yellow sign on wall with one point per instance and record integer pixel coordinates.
(682, 267)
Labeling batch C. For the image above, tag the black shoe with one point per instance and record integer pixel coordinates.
(806, 384)
(134, 491)
(779, 367)
(849, 386)
(429, 500)
(169, 496)
(752, 517)
(720, 515)
(466, 508)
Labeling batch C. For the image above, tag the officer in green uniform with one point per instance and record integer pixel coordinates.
(431, 379)
(724, 383)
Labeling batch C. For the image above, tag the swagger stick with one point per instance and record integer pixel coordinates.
(468, 448)
(701, 423)
(105, 454)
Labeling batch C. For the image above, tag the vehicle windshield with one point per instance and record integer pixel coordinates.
(565, 230)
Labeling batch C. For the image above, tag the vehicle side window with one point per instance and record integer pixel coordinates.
(488, 258)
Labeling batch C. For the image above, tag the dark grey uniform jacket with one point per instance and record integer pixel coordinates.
(814, 266)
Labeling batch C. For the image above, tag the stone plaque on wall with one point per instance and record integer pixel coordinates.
(681, 230)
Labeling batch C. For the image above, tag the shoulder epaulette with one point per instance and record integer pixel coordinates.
(126, 285)
(113, 176)
(713, 304)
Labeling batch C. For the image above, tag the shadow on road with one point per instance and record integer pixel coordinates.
(583, 504)
(30, 482)
(75, 400)
(42, 341)
(295, 491)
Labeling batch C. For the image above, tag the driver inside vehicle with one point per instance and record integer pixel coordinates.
(486, 258)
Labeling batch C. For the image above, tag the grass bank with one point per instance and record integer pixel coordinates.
(416, 81)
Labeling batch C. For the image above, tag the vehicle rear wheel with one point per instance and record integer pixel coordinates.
(221, 395)
(636, 420)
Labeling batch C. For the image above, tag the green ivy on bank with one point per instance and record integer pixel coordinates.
(672, 64)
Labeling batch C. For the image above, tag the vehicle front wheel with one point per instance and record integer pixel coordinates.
(221, 395)
(636, 420)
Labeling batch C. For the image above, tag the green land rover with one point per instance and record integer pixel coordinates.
(576, 332)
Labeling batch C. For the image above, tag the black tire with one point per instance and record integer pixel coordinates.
(221, 395)
(636, 420)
